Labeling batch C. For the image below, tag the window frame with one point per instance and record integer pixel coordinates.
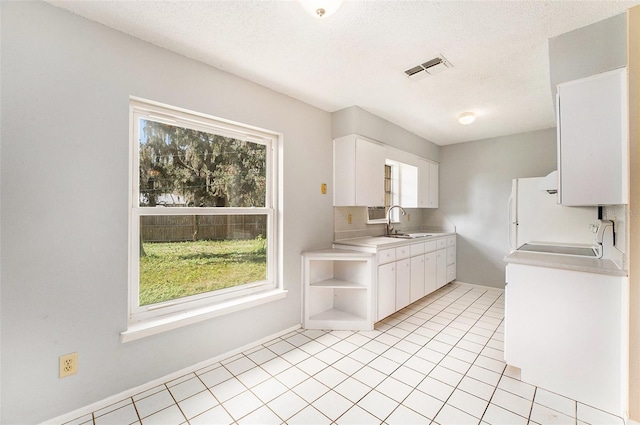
(391, 171)
(145, 109)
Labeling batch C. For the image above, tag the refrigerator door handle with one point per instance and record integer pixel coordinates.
(511, 222)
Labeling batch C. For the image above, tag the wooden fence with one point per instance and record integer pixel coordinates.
(180, 228)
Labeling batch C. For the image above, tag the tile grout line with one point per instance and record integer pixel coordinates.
(465, 374)
(432, 338)
(388, 375)
(380, 355)
(175, 402)
(310, 404)
(445, 354)
(450, 306)
(442, 309)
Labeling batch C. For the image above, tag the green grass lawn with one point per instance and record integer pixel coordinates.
(178, 269)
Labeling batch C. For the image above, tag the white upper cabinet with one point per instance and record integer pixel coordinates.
(359, 175)
(427, 184)
(358, 172)
(592, 140)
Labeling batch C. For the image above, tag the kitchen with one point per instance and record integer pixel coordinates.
(474, 179)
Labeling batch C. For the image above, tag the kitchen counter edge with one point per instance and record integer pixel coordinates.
(565, 262)
(387, 242)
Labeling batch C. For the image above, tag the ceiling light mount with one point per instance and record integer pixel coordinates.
(321, 9)
(466, 118)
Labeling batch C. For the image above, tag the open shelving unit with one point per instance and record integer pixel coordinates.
(338, 289)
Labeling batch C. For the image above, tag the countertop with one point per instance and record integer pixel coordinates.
(378, 242)
(566, 262)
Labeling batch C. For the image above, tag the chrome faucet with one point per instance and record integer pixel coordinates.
(389, 225)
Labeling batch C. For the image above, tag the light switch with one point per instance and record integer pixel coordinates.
(323, 188)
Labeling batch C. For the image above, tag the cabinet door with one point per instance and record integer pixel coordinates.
(386, 290)
(423, 183)
(441, 267)
(592, 139)
(451, 272)
(369, 169)
(433, 185)
(344, 174)
(430, 272)
(451, 255)
(427, 184)
(403, 283)
(417, 277)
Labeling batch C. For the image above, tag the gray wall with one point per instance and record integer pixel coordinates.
(588, 50)
(66, 84)
(355, 120)
(475, 184)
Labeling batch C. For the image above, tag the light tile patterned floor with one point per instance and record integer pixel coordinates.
(438, 361)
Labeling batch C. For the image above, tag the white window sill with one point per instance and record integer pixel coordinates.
(173, 321)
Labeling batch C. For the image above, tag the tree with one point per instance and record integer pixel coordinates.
(204, 169)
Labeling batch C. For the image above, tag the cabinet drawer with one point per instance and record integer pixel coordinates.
(403, 252)
(451, 240)
(386, 256)
(417, 249)
(441, 243)
(430, 246)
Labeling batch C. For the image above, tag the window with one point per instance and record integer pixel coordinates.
(378, 214)
(388, 192)
(203, 211)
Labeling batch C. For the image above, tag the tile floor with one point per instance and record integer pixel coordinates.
(438, 361)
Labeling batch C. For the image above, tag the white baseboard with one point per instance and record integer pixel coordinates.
(141, 388)
(474, 285)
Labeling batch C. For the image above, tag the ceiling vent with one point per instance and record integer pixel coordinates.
(429, 67)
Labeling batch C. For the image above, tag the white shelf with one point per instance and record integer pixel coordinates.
(336, 315)
(338, 284)
(338, 290)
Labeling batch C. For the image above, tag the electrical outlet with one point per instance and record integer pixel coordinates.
(323, 188)
(408, 217)
(68, 365)
(349, 219)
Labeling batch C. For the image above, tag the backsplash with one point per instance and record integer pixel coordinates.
(416, 220)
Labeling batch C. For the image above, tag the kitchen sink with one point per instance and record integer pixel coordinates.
(578, 251)
(409, 235)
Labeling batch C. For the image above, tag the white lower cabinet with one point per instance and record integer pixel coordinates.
(567, 332)
(338, 289)
(402, 281)
(409, 272)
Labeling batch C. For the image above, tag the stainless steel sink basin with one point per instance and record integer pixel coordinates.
(409, 235)
(578, 251)
(420, 235)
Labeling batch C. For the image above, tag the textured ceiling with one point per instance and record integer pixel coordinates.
(358, 56)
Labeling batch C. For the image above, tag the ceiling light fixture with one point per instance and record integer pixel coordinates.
(466, 118)
(321, 8)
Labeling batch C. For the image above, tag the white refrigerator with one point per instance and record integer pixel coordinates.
(536, 216)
